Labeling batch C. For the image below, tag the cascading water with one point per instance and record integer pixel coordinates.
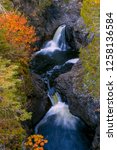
(58, 43)
(59, 38)
(63, 130)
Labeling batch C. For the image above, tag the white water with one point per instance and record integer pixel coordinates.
(60, 109)
(63, 117)
(55, 98)
(58, 43)
(58, 34)
(63, 130)
(59, 38)
(49, 47)
(73, 61)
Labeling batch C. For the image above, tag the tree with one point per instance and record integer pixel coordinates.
(16, 37)
(17, 34)
(12, 108)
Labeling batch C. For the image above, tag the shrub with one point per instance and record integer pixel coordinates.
(90, 54)
(35, 142)
(12, 108)
(17, 35)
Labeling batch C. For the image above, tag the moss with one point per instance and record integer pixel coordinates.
(66, 1)
(43, 4)
(89, 55)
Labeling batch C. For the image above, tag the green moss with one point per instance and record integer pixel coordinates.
(90, 55)
(66, 1)
(43, 4)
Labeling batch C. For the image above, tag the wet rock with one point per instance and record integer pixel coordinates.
(58, 13)
(96, 141)
(80, 104)
(39, 103)
(46, 22)
(45, 62)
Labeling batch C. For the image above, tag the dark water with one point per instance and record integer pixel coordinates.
(63, 130)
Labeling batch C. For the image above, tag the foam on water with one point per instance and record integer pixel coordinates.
(73, 61)
(57, 43)
(63, 116)
(58, 34)
(50, 47)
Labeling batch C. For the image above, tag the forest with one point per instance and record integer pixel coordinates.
(23, 31)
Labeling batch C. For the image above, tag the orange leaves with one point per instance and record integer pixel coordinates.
(36, 142)
(17, 31)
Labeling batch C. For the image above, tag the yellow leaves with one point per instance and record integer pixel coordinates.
(93, 1)
(11, 109)
(36, 142)
(89, 55)
(7, 71)
(10, 131)
(97, 1)
(15, 39)
(92, 10)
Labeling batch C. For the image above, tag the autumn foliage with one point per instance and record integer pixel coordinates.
(90, 55)
(17, 32)
(35, 142)
(16, 39)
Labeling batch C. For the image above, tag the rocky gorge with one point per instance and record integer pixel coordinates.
(80, 103)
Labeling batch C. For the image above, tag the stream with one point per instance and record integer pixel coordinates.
(63, 130)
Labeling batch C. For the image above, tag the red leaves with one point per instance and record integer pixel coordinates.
(17, 31)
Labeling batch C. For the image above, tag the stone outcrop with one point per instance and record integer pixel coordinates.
(80, 104)
(58, 13)
(39, 103)
(46, 22)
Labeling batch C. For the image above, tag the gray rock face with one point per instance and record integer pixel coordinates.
(82, 105)
(58, 13)
(46, 22)
(96, 141)
(39, 104)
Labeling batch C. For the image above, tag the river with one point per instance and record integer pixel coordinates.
(63, 130)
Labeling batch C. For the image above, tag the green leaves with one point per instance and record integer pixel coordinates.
(16, 37)
(11, 109)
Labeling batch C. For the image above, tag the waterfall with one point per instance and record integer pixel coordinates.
(63, 130)
(53, 95)
(60, 39)
(57, 43)
(63, 117)
(59, 33)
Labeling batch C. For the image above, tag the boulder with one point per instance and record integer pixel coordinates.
(46, 21)
(39, 103)
(81, 104)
